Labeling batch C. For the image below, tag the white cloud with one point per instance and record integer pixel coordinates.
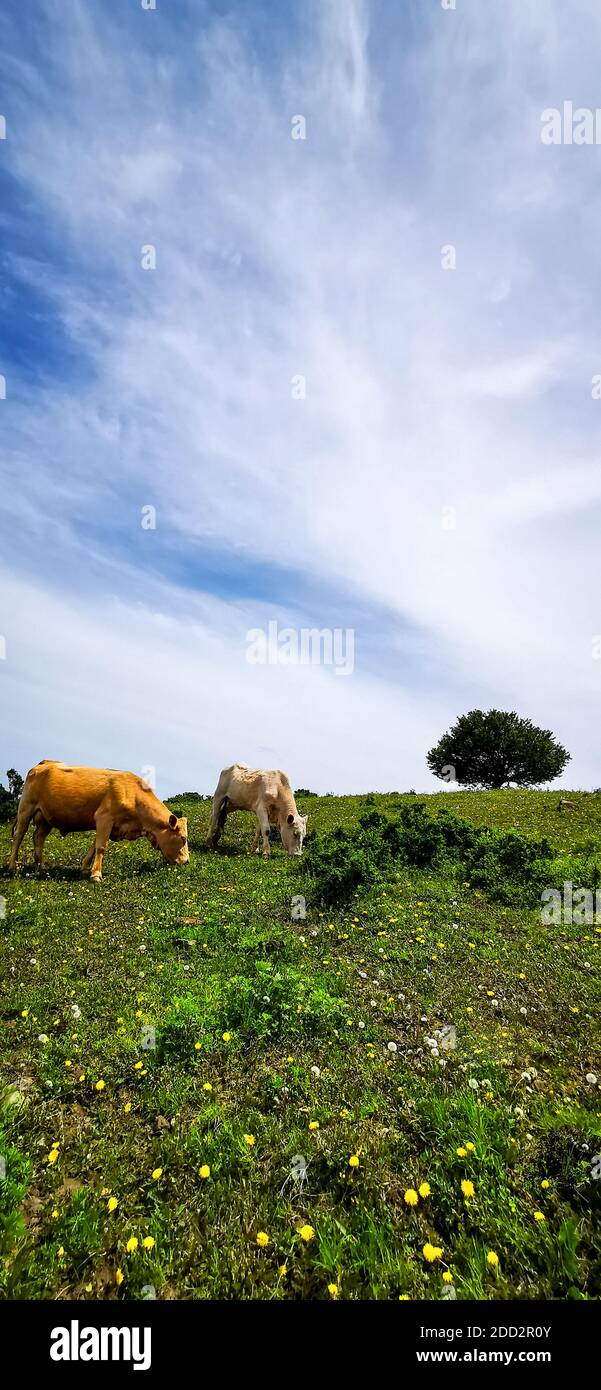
(425, 388)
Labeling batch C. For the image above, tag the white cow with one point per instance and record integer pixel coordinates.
(269, 795)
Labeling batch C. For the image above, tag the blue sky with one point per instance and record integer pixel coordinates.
(425, 389)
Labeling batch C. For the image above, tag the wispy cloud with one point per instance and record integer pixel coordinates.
(276, 259)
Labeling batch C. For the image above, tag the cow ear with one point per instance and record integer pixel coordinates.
(290, 818)
(173, 821)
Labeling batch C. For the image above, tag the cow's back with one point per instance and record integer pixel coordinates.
(69, 796)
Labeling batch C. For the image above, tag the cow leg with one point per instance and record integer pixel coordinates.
(88, 860)
(104, 825)
(218, 818)
(20, 829)
(42, 829)
(254, 849)
(263, 819)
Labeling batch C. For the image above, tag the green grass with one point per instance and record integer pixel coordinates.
(96, 968)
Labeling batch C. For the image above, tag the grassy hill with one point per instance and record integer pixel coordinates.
(169, 1022)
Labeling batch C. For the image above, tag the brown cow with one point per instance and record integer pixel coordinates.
(118, 805)
(269, 795)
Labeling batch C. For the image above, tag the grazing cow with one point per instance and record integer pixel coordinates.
(118, 805)
(269, 795)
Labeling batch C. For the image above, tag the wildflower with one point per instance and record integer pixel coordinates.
(313, 1124)
(333, 1290)
(249, 1139)
(403, 1298)
(149, 1242)
(539, 1216)
(471, 1148)
(262, 1239)
(306, 1233)
(112, 1204)
(545, 1183)
(467, 1188)
(197, 1046)
(207, 1086)
(425, 1189)
(282, 1271)
(461, 1153)
(205, 1171)
(411, 1197)
(60, 1252)
(354, 1161)
(432, 1252)
(344, 1114)
(127, 1108)
(55, 1213)
(157, 1173)
(119, 1277)
(447, 1277)
(53, 1156)
(132, 1244)
(227, 1037)
(138, 1066)
(492, 1259)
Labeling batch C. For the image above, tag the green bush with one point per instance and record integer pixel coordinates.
(508, 865)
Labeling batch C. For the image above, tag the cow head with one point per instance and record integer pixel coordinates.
(293, 829)
(172, 840)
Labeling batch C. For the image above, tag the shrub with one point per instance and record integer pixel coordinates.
(507, 864)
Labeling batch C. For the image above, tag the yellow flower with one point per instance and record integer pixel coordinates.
(53, 1155)
(197, 1046)
(447, 1277)
(467, 1188)
(149, 1242)
(138, 1066)
(306, 1233)
(55, 1213)
(60, 1252)
(205, 1171)
(471, 1148)
(539, 1216)
(132, 1244)
(545, 1183)
(262, 1239)
(112, 1204)
(207, 1086)
(157, 1173)
(100, 1085)
(227, 1037)
(432, 1252)
(249, 1139)
(461, 1153)
(411, 1197)
(425, 1189)
(127, 1107)
(354, 1161)
(333, 1290)
(313, 1124)
(403, 1298)
(492, 1258)
(119, 1277)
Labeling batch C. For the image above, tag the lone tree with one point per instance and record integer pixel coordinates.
(492, 749)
